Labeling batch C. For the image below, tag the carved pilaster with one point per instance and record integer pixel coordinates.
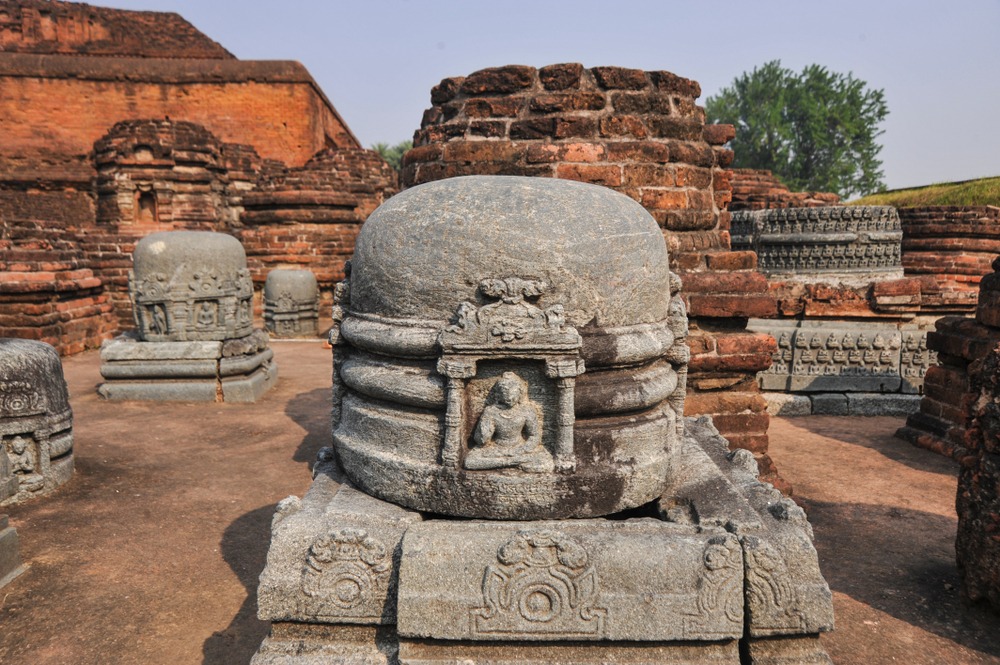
(457, 371)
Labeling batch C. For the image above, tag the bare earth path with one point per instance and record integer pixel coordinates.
(151, 553)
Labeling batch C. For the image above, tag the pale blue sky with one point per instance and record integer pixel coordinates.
(938, 62)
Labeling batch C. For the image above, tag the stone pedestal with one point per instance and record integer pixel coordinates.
(845, 367)
(36, 422)
(232, 371)
(721, 559)
(834, 243)
(291, 303)
(10, 557)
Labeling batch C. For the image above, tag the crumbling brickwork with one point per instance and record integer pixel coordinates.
(46, 292)
(50, 26)
(117, 124)
(152, 175)
(62, 104)
(949, 393)
(949, 249)
(308, 217)
(758, 189)
(977, 546)
(642, 134)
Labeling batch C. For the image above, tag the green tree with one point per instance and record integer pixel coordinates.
(815, 130)
(393, 153)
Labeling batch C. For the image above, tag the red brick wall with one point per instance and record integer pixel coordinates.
(949, 394)
(309, 217)
(977, 502)
(950, 249)
(640, 133)
(47, 292)
(49, 26)
(63, 104)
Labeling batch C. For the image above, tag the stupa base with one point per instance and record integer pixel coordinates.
(239, 370)
(721, 565)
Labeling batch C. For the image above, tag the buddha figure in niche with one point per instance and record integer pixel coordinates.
(509, 431)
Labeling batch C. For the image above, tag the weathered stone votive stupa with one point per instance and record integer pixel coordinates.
(192, 300)
(509, 354)
(291, 303)
(36, 421)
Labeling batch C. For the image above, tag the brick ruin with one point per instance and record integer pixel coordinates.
(952, 248)
(46, 291)
(43, 26)
(118, 124)
(759, 189)
(977, 545)
(943, 253)
(309, 216)
(642, 134)
(71, 71)
(949, 249)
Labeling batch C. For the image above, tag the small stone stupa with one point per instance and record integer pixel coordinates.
(36, 421)
(291, 303)
(192, 299)
(512, 479)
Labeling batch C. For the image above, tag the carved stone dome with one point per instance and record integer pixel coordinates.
(36, 421)
(603, 257)
(191, 286)
(510, 348)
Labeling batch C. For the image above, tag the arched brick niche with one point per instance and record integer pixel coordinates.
(152, 175)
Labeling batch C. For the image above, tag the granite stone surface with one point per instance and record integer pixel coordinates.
(187, 371)
(291, 303)
(487, 366)
(190, 286)
(10, 555)
(36, 421)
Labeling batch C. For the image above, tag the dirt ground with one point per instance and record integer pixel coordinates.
(151, 553)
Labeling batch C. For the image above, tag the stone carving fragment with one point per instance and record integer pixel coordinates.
(772, 602)
(720, 589)
(457, 298)
(192, 300)
(542, 583)
(483, 369)
(509, 431)
(291, 303)
(814, 242)
(347, 568)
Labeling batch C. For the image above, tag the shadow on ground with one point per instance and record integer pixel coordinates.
(311, 411)
(901, 562)
(244, 547)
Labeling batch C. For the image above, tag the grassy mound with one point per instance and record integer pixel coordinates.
(985, 191)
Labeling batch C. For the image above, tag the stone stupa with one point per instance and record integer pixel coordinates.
(192, 299)
(512, 478)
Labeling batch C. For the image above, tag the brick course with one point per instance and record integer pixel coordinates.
(50, 26)
(759, 189)
(950, 248)
(64, 103)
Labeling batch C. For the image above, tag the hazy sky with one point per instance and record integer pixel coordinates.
(938, 62)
